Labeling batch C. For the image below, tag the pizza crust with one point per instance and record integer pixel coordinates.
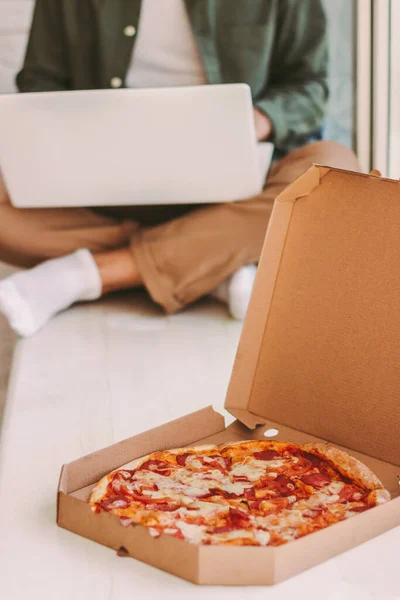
(262, 444)
(99, 490)
(377, 497)
(194, 449)
(347, 465)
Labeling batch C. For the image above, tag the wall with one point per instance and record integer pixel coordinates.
(340, 114)
(15, 18)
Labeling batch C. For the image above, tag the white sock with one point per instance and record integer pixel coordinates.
(29, 299)
(236, 291)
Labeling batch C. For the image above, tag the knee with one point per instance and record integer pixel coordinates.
(333, 154)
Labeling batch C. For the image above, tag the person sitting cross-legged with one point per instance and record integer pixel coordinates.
(177, 253)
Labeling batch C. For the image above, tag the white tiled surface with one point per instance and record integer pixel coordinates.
(96, 375)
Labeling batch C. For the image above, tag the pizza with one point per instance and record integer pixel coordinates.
(248, 493)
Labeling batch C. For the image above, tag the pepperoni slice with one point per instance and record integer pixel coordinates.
(314, 460)
(359, 508)
(225, 494)
(303, 465)
(163, 506)
(235, 512)
(283, 485)
(140, 488)
(236, 519)
(249, 494)
(222, 529)
(154, 465)
(114, 502)
(181, 459)
(216, 465)
(218, 492)
(221, 460)
(228, 461)
(348, 492)
(178, 534)
(266, 455)
(316, 480)
(213, 462)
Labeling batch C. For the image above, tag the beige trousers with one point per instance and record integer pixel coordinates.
(181, 252)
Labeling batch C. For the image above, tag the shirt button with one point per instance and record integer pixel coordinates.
(130, 31)
(116, 82)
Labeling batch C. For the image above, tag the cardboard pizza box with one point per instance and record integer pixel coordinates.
(318, 360)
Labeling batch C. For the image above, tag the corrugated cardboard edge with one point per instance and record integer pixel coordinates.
(253, 332)
(236, 565)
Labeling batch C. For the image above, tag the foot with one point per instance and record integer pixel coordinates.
(236, 291)
(29, 299)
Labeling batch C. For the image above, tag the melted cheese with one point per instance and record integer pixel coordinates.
(180, 482)
(215, 459)
(210, 474)
(193, 533)
(332, 499)
(262, 537)
(232, 535)
(235, 488)
(154, 532)
(275, 464)
(117, 504)
(194, 463)
(289, 534)
(286, 520)
(252, 471)
(335, 487)
(205, 509)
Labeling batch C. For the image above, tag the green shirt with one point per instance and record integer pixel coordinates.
(278, 47)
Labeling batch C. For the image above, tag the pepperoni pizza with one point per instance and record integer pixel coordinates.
(257, 493)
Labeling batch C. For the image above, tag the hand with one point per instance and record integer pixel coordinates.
(263, 125)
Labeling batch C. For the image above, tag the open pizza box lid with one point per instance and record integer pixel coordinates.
(320, 346)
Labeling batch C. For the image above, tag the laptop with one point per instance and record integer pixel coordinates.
(131, 147)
